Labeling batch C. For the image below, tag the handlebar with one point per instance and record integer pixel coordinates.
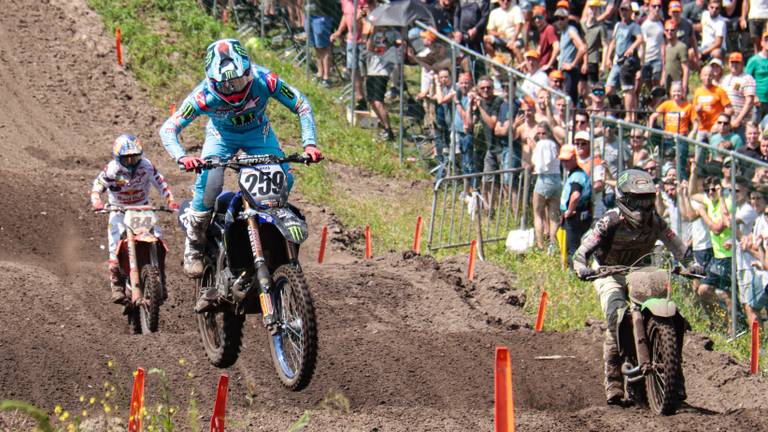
(691, 273)
(239, 161)
(123, 209)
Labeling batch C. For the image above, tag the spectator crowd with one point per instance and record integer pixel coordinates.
(696, 69)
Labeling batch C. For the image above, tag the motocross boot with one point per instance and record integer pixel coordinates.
(195, 244)
(116, 283)
(614, 382)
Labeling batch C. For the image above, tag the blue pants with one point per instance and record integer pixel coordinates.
(209, 183)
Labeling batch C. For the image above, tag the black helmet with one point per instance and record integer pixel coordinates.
(635, 196)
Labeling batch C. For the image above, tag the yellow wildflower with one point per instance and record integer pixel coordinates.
(107, 408)
(110, 363)
(82, 398)
(182, 361)
(57, 410)
(85, 413)
(92, 400)
(64, 416)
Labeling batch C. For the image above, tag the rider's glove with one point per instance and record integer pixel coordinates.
(585, 273)
(191, 163)
(97, 205)
(313, 152)
(172, 205)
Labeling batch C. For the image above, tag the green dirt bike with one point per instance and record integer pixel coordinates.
(650, 334)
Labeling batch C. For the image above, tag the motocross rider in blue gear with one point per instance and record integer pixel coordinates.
(234, 96)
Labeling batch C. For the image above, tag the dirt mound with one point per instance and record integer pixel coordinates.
(405, 341)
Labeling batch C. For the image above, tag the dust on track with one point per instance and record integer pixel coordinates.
(408, 340)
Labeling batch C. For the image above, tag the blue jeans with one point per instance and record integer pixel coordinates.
(467, 155)
(209, 183)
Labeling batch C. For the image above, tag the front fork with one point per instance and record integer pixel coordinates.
(262, 272)
(641, 341)
(133, 265)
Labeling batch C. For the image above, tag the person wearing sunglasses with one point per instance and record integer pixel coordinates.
(724, 137)
(537, 77)
(685, 32)
(653, 38)
(627, 39)
(622, 237)
(757, 66)
(596, 38)
(675, 58)
(709, 101)
(741, 89)
(547, 44)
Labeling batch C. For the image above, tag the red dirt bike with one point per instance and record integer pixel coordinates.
(141, 256)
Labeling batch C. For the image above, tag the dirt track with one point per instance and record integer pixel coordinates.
(408, 341)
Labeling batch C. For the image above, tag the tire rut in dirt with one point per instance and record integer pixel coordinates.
(284, 277)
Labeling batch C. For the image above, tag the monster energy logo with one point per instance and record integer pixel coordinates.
(287, 92)
(187, 111)
(239, 49)
(623, 177)
(228, 75)
(242, 119)
(208, 58)
(295, 232)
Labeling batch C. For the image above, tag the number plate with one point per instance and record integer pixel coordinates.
(264, 182)
(139, 221)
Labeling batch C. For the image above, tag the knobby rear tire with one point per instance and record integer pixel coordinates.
(149, 312)
(663, 380)
(221, 331)
(290, 283)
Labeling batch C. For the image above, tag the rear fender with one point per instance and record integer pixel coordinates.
(659, 307)
(290, 224)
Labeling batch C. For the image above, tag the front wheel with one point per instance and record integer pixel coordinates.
(294, 345)
(149, 310)
(666, 372)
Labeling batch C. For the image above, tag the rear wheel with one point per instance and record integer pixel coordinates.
(149, 310)
(665, 375)
(221, 330)
(294, 345)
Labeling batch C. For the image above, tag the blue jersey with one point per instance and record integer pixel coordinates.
(248, 118)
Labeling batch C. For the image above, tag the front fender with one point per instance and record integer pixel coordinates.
(660, 307)
(290, 225)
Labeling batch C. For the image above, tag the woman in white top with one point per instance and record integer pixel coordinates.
(546, 192)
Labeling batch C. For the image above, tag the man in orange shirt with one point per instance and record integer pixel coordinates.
(709, 101)
(677, 114)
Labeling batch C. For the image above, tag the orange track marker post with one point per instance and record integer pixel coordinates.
(504, 405)
(225, 16)
(119, 45)
(220, 407)
(137, 401)
(172, 108)
(755, 357)
(417, 236)
(323, 239)
(542, 308)
(471, 267)
(368, 243)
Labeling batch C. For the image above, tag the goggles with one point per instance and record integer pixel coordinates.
(130, 160)
(232, 86)
(642, 202)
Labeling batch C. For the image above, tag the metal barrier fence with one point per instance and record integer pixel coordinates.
(737, 160)
(466, 207)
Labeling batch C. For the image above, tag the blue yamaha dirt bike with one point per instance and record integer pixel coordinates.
(252, 267)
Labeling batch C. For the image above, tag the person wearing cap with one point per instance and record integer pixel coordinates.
(756, 12)
(546, 191)
(548, 43)
(685, 33)
(593, 166)
(572, 54)
(627, 38)
(717, 69)
(675, 58)
(709, 101)
(504, 28)
(757, 66)
(653, 39)
(713, 31)
(535, 74)
(754, 296)
(574, 201)
(596, 39)
(741, 89)
(597, 100)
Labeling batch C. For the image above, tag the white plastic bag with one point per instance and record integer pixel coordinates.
(520, 241)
